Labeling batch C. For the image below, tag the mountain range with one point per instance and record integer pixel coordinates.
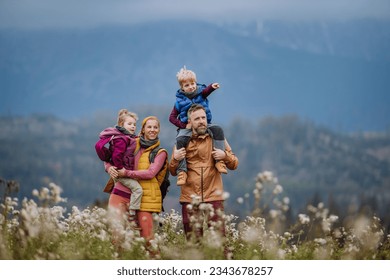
(335, 74)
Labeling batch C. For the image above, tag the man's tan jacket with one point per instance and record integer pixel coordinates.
(203, 179)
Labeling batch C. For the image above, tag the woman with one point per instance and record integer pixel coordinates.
(145, 172)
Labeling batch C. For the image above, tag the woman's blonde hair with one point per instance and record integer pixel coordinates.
(185, 75)
(122, 114)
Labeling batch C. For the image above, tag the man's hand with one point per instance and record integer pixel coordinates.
(215, 85)
(179, 154)
(218, 154)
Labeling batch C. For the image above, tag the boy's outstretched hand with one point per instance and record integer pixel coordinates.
(215, 85)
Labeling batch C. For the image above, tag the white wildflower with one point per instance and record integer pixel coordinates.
(281, 253)
(278, 189)
(304, 219)
(274, 213)
(268, 175)
(333, 218)
(225, 195)
(312, 209)
(320, 241)
(259, 186)
(195, 199)
(189, 207)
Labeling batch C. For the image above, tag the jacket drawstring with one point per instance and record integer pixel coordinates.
(201, 182)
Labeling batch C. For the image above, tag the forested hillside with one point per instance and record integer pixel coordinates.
(312, 163)
(315, 163)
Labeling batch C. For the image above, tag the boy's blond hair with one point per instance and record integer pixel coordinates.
(123, 113)
(185, 75)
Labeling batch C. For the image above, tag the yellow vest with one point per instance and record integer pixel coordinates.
(151, 198)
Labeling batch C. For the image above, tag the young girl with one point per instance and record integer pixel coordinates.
(122, 147)
(191, 92)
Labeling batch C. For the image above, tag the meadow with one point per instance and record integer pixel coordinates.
(41, 229)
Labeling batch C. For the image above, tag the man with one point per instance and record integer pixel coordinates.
(204, 186)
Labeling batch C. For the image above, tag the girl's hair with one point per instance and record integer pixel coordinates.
(122, 114)
(185, 75)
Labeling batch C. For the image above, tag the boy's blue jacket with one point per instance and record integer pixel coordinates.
(183, 103)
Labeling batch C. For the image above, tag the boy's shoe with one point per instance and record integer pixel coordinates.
(221, 167)
(181, 178)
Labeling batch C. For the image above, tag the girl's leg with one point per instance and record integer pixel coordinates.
(136, 193)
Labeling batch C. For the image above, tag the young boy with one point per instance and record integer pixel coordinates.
(191, 92)
(122, 147)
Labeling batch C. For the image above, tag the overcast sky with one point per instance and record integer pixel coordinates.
(35, 14)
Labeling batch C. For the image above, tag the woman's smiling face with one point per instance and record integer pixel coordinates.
(151, 129)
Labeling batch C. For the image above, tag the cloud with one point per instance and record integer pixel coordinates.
(35, 14)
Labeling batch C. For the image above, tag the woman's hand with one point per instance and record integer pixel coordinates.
(113, 172)
(179, 154)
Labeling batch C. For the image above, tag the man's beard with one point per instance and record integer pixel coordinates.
(201, 130)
